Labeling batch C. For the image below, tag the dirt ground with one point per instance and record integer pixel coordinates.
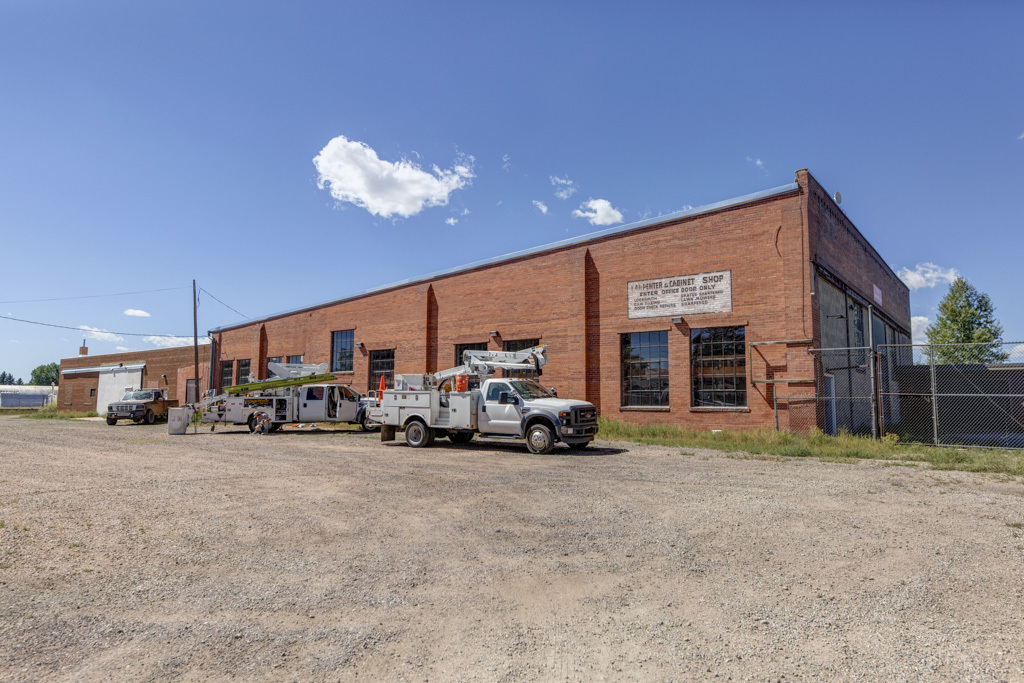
(129, 554)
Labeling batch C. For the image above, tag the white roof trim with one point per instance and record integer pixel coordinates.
(102, 368)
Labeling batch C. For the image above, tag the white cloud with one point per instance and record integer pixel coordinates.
(926, 275)
(136, 313)
(756, 162)
(100, 335)
(465, 212)
(171, 342)
(451, 221)
(121, 348)
(918, 324)
(354, 173)
(566, 187)
(542, 206)
(686, 207)
(1021, 136)
(601, 212)
(506, 163)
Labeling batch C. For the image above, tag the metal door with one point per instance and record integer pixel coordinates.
(496, 418)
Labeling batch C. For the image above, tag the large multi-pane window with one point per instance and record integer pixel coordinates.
(226, 367)
(645, 369)
(342, 343)
(382, 364)
(243, 370)
(719, 367)
(295, 359)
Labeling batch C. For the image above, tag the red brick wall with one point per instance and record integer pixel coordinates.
(574, 300)
(73, 390)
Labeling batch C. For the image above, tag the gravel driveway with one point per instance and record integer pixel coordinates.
(129, 554)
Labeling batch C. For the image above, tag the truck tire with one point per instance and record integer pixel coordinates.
(418, 435)
(366, 425)
(460, 437)
(539, 439)
(149, 418)
(252, 423)
(111, 421)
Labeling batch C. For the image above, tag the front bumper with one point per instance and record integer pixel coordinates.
(577, 432)
(126, 414)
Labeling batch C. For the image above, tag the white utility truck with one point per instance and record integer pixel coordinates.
(442, 404)
(296, 394)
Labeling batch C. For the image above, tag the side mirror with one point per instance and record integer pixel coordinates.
(505, 399)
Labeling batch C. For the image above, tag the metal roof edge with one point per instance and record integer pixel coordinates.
(532, 251)
(102, 368)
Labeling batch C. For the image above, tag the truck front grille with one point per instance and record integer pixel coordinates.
(584, 416)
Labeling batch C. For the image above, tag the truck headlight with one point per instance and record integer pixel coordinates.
(564, 415)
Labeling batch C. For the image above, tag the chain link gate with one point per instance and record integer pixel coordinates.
(843, 399)
(953, 394)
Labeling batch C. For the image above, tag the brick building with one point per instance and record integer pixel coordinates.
(694, 318)
(91, 382)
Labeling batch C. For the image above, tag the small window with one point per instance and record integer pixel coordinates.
(92, 393)
(459, 348)
(718, 365)
(645, 369)
(342, 343)
(226, 367)
(494, 391)
(243, 370)
(382, 364)
(315, 394)
(295, 359)
(519, 345)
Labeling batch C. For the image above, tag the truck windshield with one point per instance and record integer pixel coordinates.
(530, 390)
(138, 396)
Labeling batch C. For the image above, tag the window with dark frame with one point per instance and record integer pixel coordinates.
(518, 345)
(718, 367)
(243, 370)
(459, 348)
(342, 345)
(645, 369)
(226, 367)
(382, 364)
(295, 359)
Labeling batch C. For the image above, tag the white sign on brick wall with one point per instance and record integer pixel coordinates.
(681, 295)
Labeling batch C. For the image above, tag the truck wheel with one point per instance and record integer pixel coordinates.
(252, 422)
(418, 434)
(367, 425)
(111, 421)
(539, 439)
(150, 418)
(460, 437)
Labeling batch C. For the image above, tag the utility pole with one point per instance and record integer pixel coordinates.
(195, 341)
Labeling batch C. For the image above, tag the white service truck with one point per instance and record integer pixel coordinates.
(290, 397)
(442, 404)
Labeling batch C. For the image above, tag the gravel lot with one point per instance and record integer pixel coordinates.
(130, 554)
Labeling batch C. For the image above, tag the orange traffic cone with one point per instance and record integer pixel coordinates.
(380, 392)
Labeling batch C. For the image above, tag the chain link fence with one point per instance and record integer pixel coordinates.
(953, 394)
(945, 395)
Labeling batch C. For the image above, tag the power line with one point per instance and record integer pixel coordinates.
(92, 296)
(223, 304)
(87, 330)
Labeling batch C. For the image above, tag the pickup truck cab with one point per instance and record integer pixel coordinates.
(140, 405)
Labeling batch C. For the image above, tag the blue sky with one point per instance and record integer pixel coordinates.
(146, 144)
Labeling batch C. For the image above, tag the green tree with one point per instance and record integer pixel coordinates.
(44, 375)
(966, 316)
(6, 378)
